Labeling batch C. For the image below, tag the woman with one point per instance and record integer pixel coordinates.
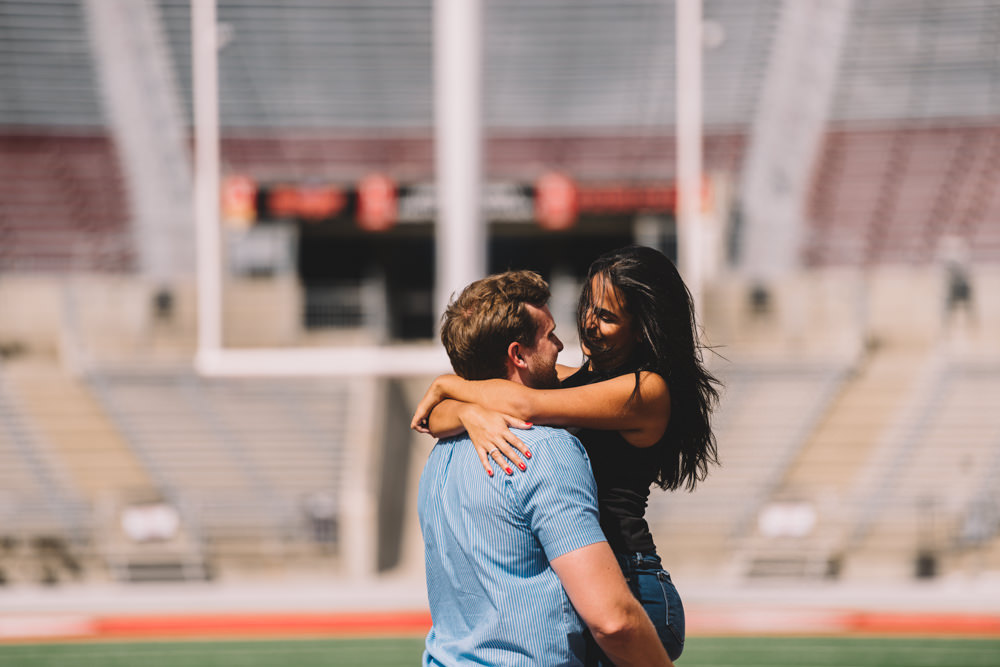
(642, 402)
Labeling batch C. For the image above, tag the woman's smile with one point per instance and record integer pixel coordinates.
(609, 338)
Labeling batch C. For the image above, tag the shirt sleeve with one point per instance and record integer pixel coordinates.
(560, 497)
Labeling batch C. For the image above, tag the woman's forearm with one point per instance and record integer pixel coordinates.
(607, 405)
(445, 419)
(500, 395)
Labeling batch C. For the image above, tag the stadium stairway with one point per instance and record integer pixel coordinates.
(99, 465)
(768, 409)
(44, 520)
(244, 461)
(68, 417)
(819, 481)
(934, 504)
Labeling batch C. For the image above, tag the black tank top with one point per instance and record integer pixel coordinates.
(624, 474)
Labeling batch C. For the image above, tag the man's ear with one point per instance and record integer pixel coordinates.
(515, 356)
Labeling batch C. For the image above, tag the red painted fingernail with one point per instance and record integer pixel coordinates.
(522, 466)
(529, 424)
(527, 453)
(509, 471)
(489, 472)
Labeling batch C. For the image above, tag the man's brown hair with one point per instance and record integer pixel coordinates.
(487, 317)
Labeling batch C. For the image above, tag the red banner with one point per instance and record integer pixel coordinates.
(239, 200)
(377, 210)
(556, 201)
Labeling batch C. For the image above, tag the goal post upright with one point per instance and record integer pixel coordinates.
(460, 232)
(205, 76)
(212, 357)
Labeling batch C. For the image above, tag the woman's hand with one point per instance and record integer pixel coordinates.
(492, 437)
(434, 395)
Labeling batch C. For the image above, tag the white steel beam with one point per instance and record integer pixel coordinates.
(368, 361)
(144, 106)
(690, 246)
(205, 64)
(460, 236)
(787, 134)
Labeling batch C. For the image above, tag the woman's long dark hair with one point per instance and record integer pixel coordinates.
(663, 318)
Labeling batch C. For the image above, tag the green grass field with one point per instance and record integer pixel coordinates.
(389, 652)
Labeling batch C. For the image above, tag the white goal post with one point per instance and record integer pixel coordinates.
(460, 230)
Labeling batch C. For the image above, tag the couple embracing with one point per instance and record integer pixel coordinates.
(553, 563)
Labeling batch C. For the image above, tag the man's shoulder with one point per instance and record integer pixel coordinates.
(557, 447)
(547, 433)
(536, 433)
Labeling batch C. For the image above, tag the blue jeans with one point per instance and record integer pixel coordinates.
(651, 585)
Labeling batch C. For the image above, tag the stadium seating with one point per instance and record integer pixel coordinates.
(44, 521)
(937, 475)
(890, 439)
(890, 196)
(824, 477)
(39, 494)
(64, 414)
(769, 409)
(63, 204)
(240, 459)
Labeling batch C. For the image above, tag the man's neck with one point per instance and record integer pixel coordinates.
(517, 376)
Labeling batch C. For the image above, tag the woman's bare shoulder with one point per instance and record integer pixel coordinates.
(564, 372)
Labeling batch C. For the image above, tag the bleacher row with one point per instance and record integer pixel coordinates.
(315, 91)
(894, 457)
(62, 204)
(887, 196)
(254, 469)
(890, 195)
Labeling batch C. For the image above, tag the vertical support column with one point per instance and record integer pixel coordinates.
(359, 530)
(143, 103)
(689, 151)
(205, 63)
(460, 238)
(788, 132)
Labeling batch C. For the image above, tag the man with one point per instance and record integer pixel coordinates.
(515, 562)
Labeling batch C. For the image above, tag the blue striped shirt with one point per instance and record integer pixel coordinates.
(488, 542)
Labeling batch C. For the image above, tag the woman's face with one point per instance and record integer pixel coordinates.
(608, 335)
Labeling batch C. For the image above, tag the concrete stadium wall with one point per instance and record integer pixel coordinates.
(835, 311)
(263, 312)
(30, 312)
(107, 317)
(83, 317)
(824, 312)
